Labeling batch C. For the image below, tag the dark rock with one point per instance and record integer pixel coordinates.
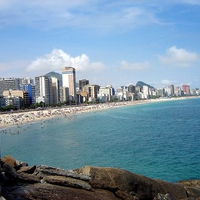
(192, 187)
(10, 172)
(3, 178)
(126, 196)
(163, 197)
(20, 164)
(28, 170)
(53, 192)
(43, 170)
(90, 183)
(66, 181)
(192, 192)
(144, 188)
(28, 178)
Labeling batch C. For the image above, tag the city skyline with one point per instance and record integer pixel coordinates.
(22, 92)
(78, 84)
(107, 42)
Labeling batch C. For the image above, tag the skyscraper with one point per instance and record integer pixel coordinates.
(43, 90)
(56, 90)
(31, 91)
(171, 87)
(92, 91)
(20, 95)
(9, 83)
(26, 80)
(131, 88)
(69, 81)
(186, 89)
(82, 83)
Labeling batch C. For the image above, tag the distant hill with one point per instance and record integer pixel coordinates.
(56, 75)
(141, 84)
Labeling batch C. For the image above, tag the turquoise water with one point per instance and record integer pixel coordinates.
(159, 140)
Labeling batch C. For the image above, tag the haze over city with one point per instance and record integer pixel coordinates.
(108, 42)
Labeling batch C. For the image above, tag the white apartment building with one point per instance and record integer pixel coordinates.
(177, 91)
(105, 93)
(145, 92)
(43, 90)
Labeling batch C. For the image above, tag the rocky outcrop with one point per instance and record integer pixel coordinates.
(19, 181)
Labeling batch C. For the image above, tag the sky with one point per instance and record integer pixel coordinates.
(108, 42)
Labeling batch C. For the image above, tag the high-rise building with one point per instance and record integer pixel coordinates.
(186, 89)
(171, 90)
(161, 92)
(9, 84)
(105, 93)
(92, 92)
(177, 91)
(82, 83)
(30, 88)
(26, 80)
(131, 88)
(69, 81)
(145, 91)
(21, 94)
(56, 90)
(138, 89)
(43, 90)
(119, 94)
(64, 94)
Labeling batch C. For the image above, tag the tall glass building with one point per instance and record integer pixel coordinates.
(69, 81)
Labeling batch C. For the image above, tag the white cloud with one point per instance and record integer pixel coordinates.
(178, 57)
(58, 59)
(167, 82)
(134, 66)
(12, 69)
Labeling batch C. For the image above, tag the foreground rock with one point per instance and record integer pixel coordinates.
(19, 181)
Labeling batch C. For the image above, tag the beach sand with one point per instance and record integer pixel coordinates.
(20, 118)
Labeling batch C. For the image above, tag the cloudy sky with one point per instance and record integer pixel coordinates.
(114, 42)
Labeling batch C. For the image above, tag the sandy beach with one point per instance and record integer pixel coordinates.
(20, 118)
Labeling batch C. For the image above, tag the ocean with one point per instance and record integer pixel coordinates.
(159, 140)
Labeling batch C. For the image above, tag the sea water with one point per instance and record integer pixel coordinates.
(159, 140)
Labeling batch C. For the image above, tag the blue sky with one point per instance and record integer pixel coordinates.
(108, 42)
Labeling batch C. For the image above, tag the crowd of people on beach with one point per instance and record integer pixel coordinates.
(23, 117)
(19, 118)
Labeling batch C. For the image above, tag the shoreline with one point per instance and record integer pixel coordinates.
(21, 118)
